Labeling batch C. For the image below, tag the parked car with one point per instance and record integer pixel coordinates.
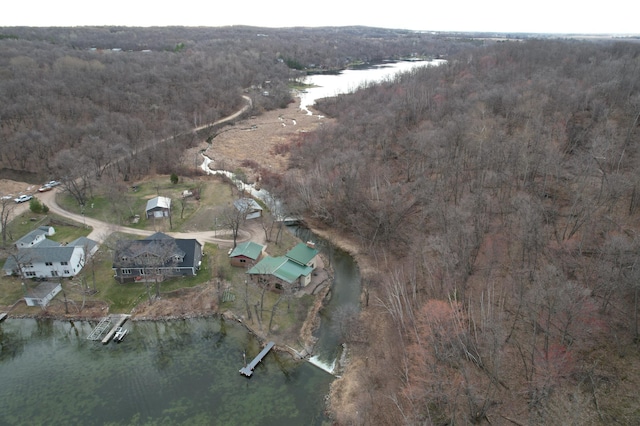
(23, 198)
(52, 183)
(45, 188)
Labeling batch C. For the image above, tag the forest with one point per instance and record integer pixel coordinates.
(496, 198)
(103, 93)
(493, 200)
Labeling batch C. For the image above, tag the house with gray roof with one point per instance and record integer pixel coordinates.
(40, 257)
(155, 258)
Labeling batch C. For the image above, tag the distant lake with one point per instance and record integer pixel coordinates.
(350, 80)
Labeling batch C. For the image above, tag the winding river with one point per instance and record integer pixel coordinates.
(182, 372)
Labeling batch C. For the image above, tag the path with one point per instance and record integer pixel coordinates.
(101, 230)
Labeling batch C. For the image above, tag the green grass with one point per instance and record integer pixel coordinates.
(191, 215)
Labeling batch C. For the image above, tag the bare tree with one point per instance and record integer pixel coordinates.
(233, 218)
(7, 206)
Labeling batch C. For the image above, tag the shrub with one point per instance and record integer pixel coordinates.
(36, 206)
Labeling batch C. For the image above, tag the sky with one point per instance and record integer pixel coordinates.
(542, 16)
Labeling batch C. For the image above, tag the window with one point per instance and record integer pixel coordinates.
(64, 263)
(54, 273)
(66, 271)
(48, 263)
(243, 260)
(126, 272)
(30, 274)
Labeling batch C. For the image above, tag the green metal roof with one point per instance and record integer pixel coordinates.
(268, 265)
(249, 249)
(280, 267)
(302, 253)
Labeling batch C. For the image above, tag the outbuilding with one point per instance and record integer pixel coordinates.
(42, 294)
(246, 254)
(158, 207)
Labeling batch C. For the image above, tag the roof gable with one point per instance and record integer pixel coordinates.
(249, 249)
(145, 252)
(159, 202)
(302, 253)
(280, 267)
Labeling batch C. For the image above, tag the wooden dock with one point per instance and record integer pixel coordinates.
(247, 370)
(120, 320)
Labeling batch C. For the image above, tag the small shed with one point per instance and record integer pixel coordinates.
(249, 206)
(246, 254)
(42, 294)
(158, 207)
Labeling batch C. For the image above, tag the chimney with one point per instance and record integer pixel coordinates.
(311, 244)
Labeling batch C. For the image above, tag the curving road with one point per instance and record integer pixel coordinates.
(102, 230)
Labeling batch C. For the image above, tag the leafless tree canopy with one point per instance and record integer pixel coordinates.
(497, 197)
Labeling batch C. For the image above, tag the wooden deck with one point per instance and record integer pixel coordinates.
(248, 369)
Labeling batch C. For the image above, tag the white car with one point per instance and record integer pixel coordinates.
(23, 198)
(52, 183)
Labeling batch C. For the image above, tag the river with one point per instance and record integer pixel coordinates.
(182, 372)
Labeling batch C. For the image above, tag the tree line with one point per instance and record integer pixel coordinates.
(81, 95)
(497, 196)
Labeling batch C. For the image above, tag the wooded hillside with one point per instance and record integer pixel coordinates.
(497, 196)
(82, 97)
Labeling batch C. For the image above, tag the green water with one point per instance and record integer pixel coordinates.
(163, 373)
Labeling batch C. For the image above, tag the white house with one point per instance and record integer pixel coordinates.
(47, 258)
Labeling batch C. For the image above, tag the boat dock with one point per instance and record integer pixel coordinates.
(120, 320)
(2, 316)
(247, 370)
(104, 324)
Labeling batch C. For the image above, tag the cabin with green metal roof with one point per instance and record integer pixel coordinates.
(246, 254)
(291, 271)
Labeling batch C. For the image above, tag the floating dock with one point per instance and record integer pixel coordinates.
(248, 369)
(120, 320)
(100, 328)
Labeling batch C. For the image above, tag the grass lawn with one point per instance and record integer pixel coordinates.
(97, 283)
(188, 214)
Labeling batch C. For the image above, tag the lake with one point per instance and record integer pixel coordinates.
(347, 81)
(182, 372)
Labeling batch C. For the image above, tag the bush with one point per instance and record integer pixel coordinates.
(174, 178)
(37, 207)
